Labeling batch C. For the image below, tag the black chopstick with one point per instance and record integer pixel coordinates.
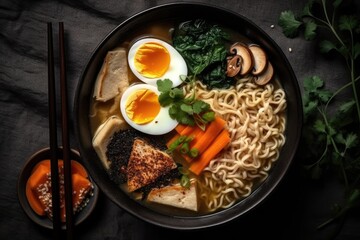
(65, 136)
(53, 138)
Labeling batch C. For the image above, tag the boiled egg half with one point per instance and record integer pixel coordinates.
(151, 59)
(141, 109)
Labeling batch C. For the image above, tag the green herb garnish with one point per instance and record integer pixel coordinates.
(186, 110)
(331, 128)
(185, 179)
(183, 143)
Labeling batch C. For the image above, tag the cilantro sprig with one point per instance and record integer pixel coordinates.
(186, 110)
(331, 128)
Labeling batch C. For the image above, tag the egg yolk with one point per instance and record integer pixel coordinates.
(152, 60)
(142, 106)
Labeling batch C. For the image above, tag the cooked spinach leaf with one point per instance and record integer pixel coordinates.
(202, 45)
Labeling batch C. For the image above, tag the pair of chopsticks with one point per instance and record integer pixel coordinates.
(65, 137)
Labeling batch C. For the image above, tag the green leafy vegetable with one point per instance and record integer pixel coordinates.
(289, 24)
(202, 45)
(184, 149)
(331, 128)
(184, 179)
(186, 110)
(310, 30)
(180, 140)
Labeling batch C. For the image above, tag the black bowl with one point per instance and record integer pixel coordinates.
(24, 175)
(188, 11)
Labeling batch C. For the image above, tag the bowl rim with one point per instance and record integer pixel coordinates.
(25, 173)
(272, 181)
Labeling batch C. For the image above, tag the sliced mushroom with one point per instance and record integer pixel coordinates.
(246, 55)
(266, 76)
(260, 59)
(233, 65)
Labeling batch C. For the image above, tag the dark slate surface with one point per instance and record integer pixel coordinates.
(293, 211)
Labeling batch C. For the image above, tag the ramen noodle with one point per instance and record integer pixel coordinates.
(255, 118)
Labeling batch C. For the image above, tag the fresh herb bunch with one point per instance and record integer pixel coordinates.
(331, 128)
(202, 45)
(186, 110)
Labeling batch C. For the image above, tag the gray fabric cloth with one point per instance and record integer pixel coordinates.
(292, 211)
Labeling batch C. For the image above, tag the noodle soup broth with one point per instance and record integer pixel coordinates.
(255, 118)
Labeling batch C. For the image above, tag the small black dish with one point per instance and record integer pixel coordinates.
(25, 173)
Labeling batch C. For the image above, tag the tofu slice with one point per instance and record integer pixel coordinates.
(103, 136)
(113, 76)
(146, 164)
(176, 196)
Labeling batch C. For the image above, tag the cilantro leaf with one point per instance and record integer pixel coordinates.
(208, 116)
(326, 46)
(310, 30)
(289, 24)
(309, 108)
(187, 108)
(331, 131)
(313, 83)
(347, 22)
(165, 99)
(344, 114)
(351, 140)
(324, 95)
(176, 93)
(347, 107)
(339, 138)
(307, 9)
(164, 85)
(320, 126)
(200, 106)
(182, 117)
(313, 87)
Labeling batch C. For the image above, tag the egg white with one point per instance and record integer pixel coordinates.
(176, 69)
(161, 124)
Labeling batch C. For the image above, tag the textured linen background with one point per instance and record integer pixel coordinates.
(292, 212)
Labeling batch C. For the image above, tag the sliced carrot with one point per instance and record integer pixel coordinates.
(196, 134)
(210, 134)
(221, 141)
(184, 130)
(205, 138)
(188, 130)
(180, 127)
